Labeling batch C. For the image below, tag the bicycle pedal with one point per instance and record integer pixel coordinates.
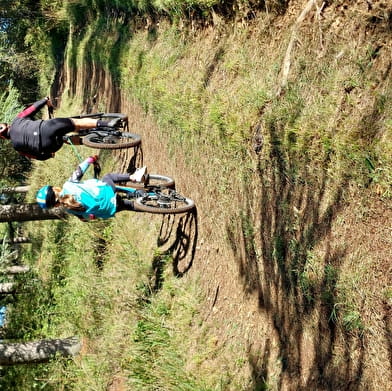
(164, 203)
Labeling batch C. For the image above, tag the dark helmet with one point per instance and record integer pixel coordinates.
(46, 197)
(4, 131)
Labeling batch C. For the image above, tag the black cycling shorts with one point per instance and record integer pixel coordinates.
(113, 178)
(52, 133)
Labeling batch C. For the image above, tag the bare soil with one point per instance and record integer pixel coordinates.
(249, 305)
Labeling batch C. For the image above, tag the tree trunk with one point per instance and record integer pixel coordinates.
(29, 212)
(16, 189)
(17, 269)
(39, 351)
(18, 240)
(7, 287)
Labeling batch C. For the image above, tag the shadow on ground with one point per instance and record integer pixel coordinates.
(176, 243)
(296, 211)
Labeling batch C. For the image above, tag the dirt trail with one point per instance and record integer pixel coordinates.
(248, 305)
(251, 308)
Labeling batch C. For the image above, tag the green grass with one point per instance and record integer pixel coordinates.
(218, 102)
(157, 361)
(92, 280)
(320, 143)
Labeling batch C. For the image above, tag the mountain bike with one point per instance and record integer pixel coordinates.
(106, 137)
(157, 195)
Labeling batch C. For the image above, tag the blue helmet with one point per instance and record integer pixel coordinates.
(46, 197)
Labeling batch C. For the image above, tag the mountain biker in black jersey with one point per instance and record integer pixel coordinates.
(40, 139)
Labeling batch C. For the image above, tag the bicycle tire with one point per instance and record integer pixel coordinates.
(91, 115)
(155, 180)
(126, 140)
(102, 115)
(114, 115)
(150, 205)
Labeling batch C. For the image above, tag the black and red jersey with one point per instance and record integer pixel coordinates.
(25, 132)
(38, 139)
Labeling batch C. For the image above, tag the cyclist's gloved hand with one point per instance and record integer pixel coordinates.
(97, 170)
(92, 159)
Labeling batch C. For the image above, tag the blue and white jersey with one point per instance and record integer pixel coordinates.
(97, 197)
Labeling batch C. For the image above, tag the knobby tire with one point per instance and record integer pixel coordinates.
(155, 180)
(126, 140)
(181, 206)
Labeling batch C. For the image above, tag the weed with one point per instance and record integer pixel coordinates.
(388, 294)
(352, 321)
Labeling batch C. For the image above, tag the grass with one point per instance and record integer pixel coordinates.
(326, 140)
(316, 146)
(222, 108)
(156, 362)
(128, 331)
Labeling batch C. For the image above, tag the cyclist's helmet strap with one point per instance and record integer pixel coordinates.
(46, 197)
(4, 131)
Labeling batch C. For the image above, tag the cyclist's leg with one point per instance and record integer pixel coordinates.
(84, 123)
(113, 178)
(108, 179)
(123, 204)
(88, 123)
(116, 178)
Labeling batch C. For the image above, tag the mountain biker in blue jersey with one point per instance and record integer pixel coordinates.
(92, 198)
(40, 139)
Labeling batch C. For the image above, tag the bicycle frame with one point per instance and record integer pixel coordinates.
(133, 190)
(126, 189)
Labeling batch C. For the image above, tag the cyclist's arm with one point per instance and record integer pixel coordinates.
(34, 108)
(82, 168)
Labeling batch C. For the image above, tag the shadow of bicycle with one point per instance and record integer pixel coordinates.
(128, 159)
(177, 244)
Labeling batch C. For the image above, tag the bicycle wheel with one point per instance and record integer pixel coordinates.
(107, 116)
(155, 181)
(91, 115)
(124, 117)
(110, 140)
(171, 203)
